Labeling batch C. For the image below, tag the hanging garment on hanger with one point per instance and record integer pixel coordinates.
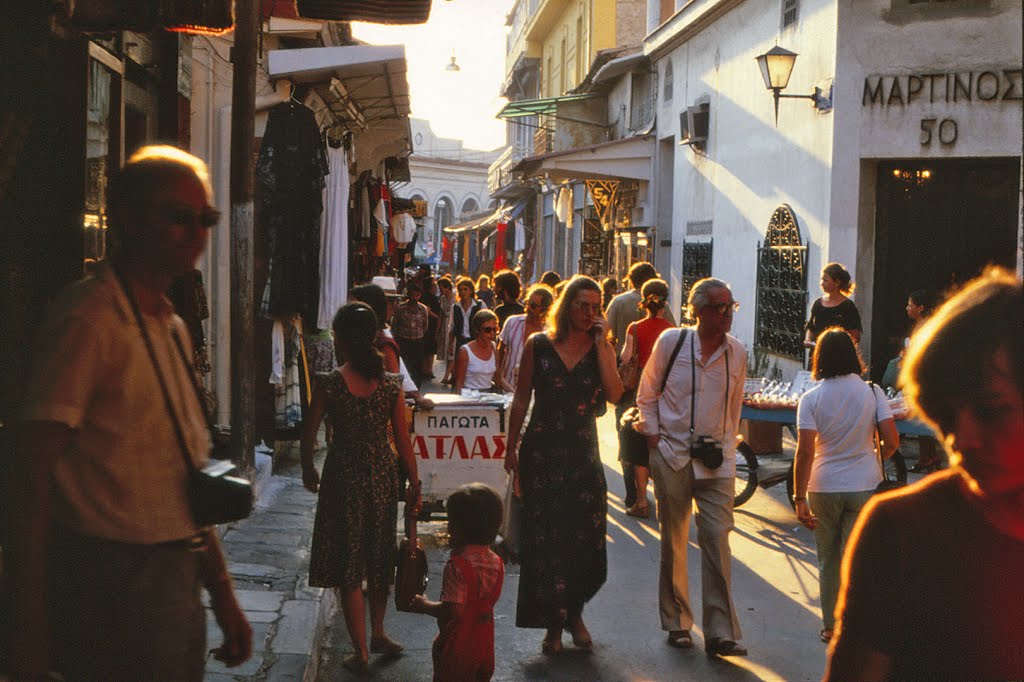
(563, 206)
(447, 246)
(334, 239)
(380, 212)
(499, 248)
(290, 171)
(288, 393)
(403, 227)
(378, 244)
(520, 236)
(277, 353)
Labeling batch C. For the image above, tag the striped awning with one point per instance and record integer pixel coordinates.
(373, 11)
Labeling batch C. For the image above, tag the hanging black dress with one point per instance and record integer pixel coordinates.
(563, 552)
(290, 175)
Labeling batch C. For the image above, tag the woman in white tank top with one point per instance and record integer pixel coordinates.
(475, 362)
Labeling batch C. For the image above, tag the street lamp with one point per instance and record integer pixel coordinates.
(452, 65)
(776, 67)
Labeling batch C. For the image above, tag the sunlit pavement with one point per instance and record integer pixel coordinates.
(775, 587)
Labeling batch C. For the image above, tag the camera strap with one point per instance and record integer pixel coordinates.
(693, 387)
(168, 402)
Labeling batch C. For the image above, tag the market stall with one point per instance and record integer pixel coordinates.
(461, 440)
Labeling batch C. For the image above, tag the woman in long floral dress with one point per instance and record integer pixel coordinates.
(357, 507)
(570, 372)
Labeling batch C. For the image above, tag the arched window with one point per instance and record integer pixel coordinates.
(667, 85)
(469, 207)
(781, 287)
(444, 213)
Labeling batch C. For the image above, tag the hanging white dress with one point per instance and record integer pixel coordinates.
(334, 238)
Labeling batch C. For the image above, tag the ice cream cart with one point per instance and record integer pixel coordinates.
(461, 440)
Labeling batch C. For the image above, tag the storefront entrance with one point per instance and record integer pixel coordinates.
(938, 224)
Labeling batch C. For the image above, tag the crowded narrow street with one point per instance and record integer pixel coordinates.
(775, 585)
(524, 340)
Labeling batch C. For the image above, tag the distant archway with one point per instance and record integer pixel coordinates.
(444, 213)
(469, 207)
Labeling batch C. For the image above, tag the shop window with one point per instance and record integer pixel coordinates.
(790, 12)
(642, 100)
(102, 157)
(781, 287)
(667, 85)
(696, 266)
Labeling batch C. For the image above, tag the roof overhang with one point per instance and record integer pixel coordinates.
(630, 158)
(544, 105)
(364, 86)
(619, 67)
(487, 219)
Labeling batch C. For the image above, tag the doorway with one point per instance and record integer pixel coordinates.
(937, 225)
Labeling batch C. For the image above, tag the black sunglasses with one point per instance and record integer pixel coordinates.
(206, 217)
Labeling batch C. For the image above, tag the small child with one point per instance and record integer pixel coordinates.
(464, 647)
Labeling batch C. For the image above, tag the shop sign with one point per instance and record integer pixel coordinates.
(988, 85)
(461, 435)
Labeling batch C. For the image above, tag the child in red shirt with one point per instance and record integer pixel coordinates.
(464, 647)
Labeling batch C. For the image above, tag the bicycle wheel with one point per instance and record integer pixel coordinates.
(746, 474)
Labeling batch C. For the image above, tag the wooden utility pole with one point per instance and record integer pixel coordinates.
(243, 112)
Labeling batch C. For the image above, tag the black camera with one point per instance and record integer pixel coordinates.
(708, 451)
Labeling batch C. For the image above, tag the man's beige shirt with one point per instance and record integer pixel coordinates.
(123, 477)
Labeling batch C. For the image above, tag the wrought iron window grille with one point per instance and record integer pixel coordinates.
(781, 287)
(696, 266)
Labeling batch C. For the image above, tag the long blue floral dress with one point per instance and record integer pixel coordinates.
(563, 552)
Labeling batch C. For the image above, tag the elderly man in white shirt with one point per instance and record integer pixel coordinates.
(705, 369)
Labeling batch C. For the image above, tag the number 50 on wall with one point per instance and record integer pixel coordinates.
(946, 130)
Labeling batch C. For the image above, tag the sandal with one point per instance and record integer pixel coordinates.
(724, 647)
(582, 640)
(640, 511)
(355, 663)
(551, 647)
(825, 635)
(386, 646)
(680, 639)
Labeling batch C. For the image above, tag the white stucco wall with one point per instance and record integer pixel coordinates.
(750, 165)
(877, 42)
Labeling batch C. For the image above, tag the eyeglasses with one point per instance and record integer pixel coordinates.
(489, 330)
(177, 215)
(537, 306)
(723, 308)
(585, 307)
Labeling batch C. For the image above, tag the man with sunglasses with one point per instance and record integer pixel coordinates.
(690, 397)
(107, 563)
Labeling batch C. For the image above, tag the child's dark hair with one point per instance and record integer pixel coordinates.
(475, 511)
(355, 329)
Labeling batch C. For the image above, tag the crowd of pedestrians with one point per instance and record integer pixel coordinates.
(108, 560)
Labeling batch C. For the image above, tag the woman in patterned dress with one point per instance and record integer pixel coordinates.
(570, 371)
(356, 514)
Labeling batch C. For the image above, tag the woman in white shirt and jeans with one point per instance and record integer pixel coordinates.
(836, 466)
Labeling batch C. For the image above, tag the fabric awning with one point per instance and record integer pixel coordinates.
(630, 158)
(476, 223)
(372, 76)
(373, 11)
(544, 105)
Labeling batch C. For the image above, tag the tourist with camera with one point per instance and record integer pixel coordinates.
(689, 399)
